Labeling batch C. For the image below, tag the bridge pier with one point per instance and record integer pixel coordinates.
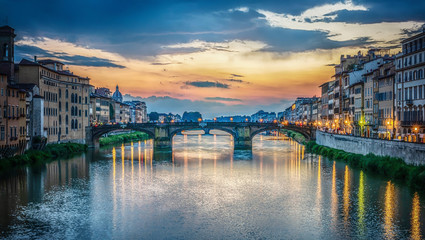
(242, 138)
(162, 141)
(91, 141)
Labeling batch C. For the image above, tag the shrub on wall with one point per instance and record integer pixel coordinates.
(394, 168)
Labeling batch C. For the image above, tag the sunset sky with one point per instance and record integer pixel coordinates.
(216, 57)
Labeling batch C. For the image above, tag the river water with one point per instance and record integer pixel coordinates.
(206, 191)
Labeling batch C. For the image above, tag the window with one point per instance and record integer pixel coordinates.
(420, 92)
(66, 121)
(85, 100)
(60, 93)
(415, 92)
(2, 131)
(79, 99)
(66, 106)
(72, 124)
(66, 93)
(60, 106)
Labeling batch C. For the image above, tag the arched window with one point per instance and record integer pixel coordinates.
(405, 77)
(66, 106)
(6, 51)
(66, 93)
(72, 124)
(76, 124)
(66, 120)
(415, 77)
(410, 76)
(79, 99)
(60, 106)
(60, 93)
(72, 98)
(421, 74)
(60, 119)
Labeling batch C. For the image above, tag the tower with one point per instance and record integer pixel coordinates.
(7, 53)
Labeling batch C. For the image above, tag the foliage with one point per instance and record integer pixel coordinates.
(49, 153)
(295, 135)
(153, 116)
(393, 168)
(191, 116)
(123, 138)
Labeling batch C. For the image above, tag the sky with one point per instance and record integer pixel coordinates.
(217, 57)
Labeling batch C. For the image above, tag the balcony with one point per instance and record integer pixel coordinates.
(412, 123)
(409, 102)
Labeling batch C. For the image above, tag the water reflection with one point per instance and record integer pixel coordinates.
(361, 206)
(415, 219)
(207, 189)
(389, 211)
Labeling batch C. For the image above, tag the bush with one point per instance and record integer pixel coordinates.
(49, 153)
(123, 138)
(295, 135)
(394, 168)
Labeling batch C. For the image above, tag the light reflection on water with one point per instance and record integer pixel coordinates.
(206, 191)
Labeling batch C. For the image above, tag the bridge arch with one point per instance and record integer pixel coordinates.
(100, 131)
(263, 130)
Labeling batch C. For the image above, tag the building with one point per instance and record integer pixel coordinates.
(138, 111)
(117, 96)
(99, 109)
(385, 100)
(124, 113)
(13, 124)
(410, 84)
(66, 99)
(262, 116)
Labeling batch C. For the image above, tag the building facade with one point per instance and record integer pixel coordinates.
(410, 85)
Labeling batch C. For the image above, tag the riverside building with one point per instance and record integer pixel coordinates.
(410, 87)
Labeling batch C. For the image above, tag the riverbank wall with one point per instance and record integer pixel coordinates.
(411, 153)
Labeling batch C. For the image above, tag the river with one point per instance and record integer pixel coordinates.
(206, 191)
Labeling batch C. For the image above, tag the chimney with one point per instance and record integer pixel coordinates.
(35, 59)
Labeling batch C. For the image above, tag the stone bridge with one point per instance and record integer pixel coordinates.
(163, 133)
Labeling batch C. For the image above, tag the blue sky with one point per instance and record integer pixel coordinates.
(237, 56)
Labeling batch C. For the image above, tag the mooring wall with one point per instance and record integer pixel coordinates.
(412, 153)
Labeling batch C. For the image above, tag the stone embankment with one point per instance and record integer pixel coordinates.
(411, 153)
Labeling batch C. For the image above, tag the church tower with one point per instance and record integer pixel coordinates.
(7, 53)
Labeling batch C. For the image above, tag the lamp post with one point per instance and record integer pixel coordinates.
(416, 131)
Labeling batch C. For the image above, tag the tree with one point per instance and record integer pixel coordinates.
(191, 116)
(153, 116)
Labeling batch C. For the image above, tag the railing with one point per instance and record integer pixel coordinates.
(409, 102)
(412, 123)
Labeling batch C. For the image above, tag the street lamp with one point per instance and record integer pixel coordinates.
(199, 119)
(231, 119)
(389, 122)
(416, 131)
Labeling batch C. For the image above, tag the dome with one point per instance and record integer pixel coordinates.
(117, 96)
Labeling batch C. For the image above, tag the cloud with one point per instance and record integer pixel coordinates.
(240, 9)
(236, 75)
(321, 18)
(27, 51)
(209, 109)
(207, 84)
(235, 80)
(223, 99)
